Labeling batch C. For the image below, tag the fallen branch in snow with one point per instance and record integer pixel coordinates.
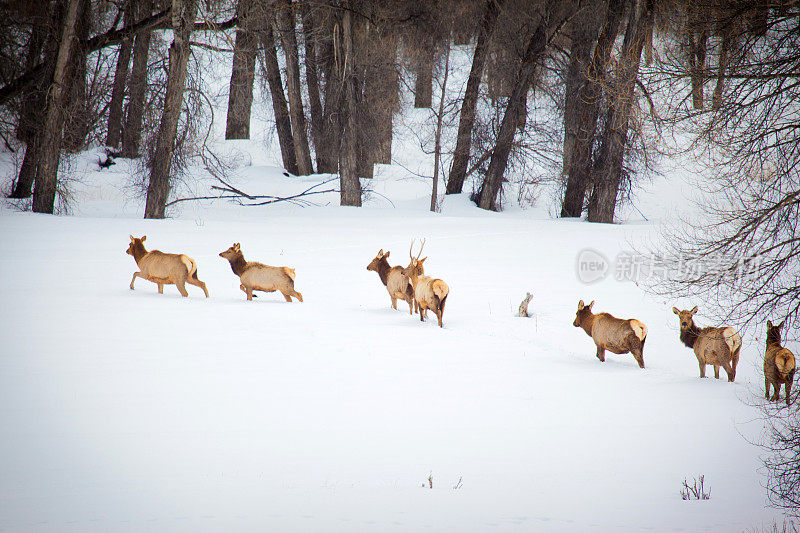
(268, 199)
(523, 307)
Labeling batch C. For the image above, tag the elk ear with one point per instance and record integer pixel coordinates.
(694, 310)
(675, 310)
(580, 305)
(386, 255)
(144, 238)
(780, 326)
(422, 260)
(132, 238)
(769, 324)
(589, 307)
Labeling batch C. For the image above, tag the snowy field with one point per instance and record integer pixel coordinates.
(133, 411)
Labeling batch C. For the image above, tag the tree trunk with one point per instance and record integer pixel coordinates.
(508, 127)
(114, 133)
(423, 84)
(437, 148)
(716, 99)
(312, 85)
(31, 114)
(132, 133)
(586, 111)
(240, 93)
(76, 128)
(332, 102)
(387, 96)
(608, 164)
(466, 121)
(282, 121)
(183, 15)
(49, 149)
(286, 28)
(698, 40)
(349, 184)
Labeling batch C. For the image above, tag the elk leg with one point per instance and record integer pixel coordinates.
(716, 371)
(728, 370)
(160, 288)
(788, 391)
(637, 354)
(777, 395)
(766, 386)
(601, 354)
(135, 275)
(198, 283)
(249, 292)
(182, 288)
(439, 313)
(394, 302)
(702, 369)
(286, 296)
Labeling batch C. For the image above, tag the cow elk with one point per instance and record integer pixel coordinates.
(616, 335)
(259, 277)
(164, 269)
(712, 346)
(779, 364)
(395, 280)
(429, 293)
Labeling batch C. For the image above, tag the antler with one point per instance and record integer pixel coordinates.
(420, 249)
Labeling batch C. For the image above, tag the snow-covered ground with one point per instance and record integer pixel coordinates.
(132, 411)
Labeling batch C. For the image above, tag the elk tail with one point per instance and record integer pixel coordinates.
(639, 329)
(440, 289)
(733, 340)
(191, 266)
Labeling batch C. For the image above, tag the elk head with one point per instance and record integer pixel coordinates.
(231, 253)
(373, 265)
(773, 333)
(584, 311)
(136, 244)
(685, 317)
(415, 267)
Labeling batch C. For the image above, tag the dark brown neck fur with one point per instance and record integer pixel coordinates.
(383, 270)
(139, 251)
(238, 264)
(690, 336)
(773, 337)
(586, 321)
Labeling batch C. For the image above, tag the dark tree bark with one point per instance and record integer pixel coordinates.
(240, 94)
(724, 51)
(509, 125)
(332, 100)
(466, 121)
(608, 163)
(76, 127)
(183, 16)
(132, 133)
(286, 28)
(282, 121)
(49, 146)
(31, 113)
(423, 84)
(698, 42)
(312, 85)
(114, 133)
(586, 111)
(349, 184)
(385, 95)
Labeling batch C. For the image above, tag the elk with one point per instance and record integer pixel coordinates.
(395, 280)
(616, 335)
(164, 269)
(712, 346)
(429, 293)
(259, 277)
(779, 364)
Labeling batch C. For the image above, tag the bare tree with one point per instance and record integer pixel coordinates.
(114, 134)
(350, 185)
(183, 15)
(132, 132)
(49, 148)
(240, 93)
(310, 37)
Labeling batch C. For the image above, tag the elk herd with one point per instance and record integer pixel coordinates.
(716, 346)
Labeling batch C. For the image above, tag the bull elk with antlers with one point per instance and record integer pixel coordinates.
(779, 364)
(616, 335)
(259, 277)
(429, 293)
(712, 346)
(164, 269)
(394, 279)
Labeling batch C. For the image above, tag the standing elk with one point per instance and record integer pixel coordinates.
(779, 364)
(616, 335)
(712, 346)
(164, 269)
(259, 277)
(395, 280)
(429, 293)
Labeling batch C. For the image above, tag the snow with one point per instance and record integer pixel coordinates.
(128, 410)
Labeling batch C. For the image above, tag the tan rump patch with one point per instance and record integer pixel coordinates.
(190, 267)
(639, 329)
(289, 272)
(732, 339)
(440, 288)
